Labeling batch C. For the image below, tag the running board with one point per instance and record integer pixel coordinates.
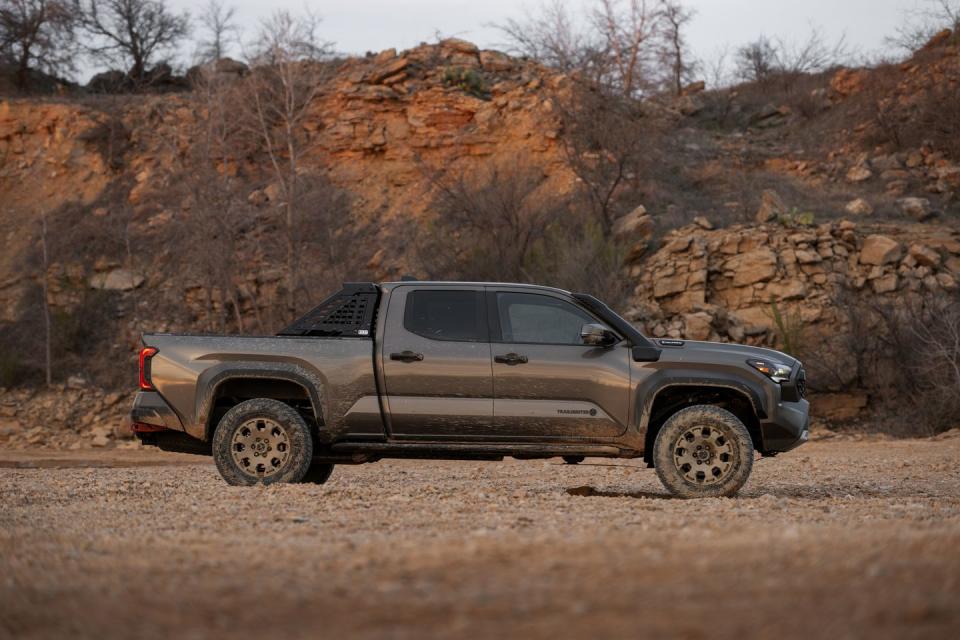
(472, 451)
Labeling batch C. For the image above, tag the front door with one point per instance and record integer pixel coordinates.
(436, 362)
(546, 382)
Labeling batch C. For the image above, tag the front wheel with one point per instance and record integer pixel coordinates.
(262, 440)
(703, 452)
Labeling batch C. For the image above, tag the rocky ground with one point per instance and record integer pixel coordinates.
(839, 539)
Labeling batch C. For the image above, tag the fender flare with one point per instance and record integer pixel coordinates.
(651, 388)
(212, 379)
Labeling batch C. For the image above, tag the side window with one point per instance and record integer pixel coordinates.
(531, 318)
(446, 315)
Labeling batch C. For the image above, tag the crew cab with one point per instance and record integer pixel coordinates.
(468, 371)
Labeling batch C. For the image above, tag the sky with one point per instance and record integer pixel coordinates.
(358, 26)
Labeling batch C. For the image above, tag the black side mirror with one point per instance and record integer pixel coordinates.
(596, 335)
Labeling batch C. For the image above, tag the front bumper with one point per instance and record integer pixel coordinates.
(787, 428)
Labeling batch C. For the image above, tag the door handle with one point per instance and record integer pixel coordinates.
(511, 359)
(407, 356)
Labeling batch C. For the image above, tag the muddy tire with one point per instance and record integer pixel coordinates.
(262, 441)
(703, 452)
(573, 459)
(318, 473)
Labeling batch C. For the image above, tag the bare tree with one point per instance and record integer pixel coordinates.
(674, 53)
(551, 36)
(38, 34)
(630, 32)
(488, 222)
(45, 265)
(757, 60)
(218, 21)
(288, 75)
(132, 32)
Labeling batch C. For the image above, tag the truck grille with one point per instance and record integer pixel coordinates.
(802, 383)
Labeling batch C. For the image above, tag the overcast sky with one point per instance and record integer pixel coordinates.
(357, 26)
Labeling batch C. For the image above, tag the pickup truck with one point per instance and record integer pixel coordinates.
(468, 371)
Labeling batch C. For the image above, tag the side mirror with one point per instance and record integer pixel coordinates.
(596, 335)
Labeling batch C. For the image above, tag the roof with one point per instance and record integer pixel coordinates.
(448, 283)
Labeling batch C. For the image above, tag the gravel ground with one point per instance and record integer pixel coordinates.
(838, 539)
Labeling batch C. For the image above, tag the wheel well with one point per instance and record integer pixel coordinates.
(232, 392)
(672, 399)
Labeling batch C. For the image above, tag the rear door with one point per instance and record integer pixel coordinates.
(435, 354)
(547, 383)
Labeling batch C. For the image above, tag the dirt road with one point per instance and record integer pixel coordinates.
(837, 540)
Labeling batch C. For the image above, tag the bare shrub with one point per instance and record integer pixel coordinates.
(488, 223)
(906, 354)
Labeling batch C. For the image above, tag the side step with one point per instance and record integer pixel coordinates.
(368, 451)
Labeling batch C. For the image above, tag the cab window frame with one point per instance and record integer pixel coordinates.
(496, 331)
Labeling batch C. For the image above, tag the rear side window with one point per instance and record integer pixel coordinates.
(446, 315)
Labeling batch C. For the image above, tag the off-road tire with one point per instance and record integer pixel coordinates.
(735, 446)
(318, 473)
(297, 442)
(573, 459)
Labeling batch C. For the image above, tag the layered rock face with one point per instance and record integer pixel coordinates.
(729, 284)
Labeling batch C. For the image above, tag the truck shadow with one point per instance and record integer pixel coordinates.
(588, 491)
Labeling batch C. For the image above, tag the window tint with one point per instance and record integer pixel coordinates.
(526, 317)
(446, 315)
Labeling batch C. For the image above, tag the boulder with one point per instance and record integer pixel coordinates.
(859, 207)
(495, 62)
(697, 326)
(858, 174)
(703, 223)
(885, 284)
(880, 250)
(754, 266)
(638, 222)
(916, 208)
(840, 406)
(116, 280)
(771, 206)
(924, 256)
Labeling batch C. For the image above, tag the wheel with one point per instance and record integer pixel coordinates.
(703, 452)
(264, 441)
(318, 473)
(573, 459)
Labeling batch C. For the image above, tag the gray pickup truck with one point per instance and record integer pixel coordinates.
(468, 371)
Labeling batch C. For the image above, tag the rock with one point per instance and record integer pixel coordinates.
(859, 207)
(858, 174)
(839, 406)
(637, 222)
(697, 326)
(924, 255)
(771, 206)
(758, 265)
(885, 284)
(669, 286)
(99, 441)
(391, 69)
(116, 280)
(916, 208)
(495, 62)
(76, 382)
(703, 223)
(880, 250)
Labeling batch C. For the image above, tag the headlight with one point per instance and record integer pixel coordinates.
(776, 371)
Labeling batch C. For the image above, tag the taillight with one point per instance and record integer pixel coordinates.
(145, 354)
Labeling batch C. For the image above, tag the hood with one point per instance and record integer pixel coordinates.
(713, 351)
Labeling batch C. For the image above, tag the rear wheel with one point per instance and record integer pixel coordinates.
(703, 452)
(262, 440)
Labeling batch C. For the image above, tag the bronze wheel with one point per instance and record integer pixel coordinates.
(260, 447)
(262, 441)
(703, 452)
